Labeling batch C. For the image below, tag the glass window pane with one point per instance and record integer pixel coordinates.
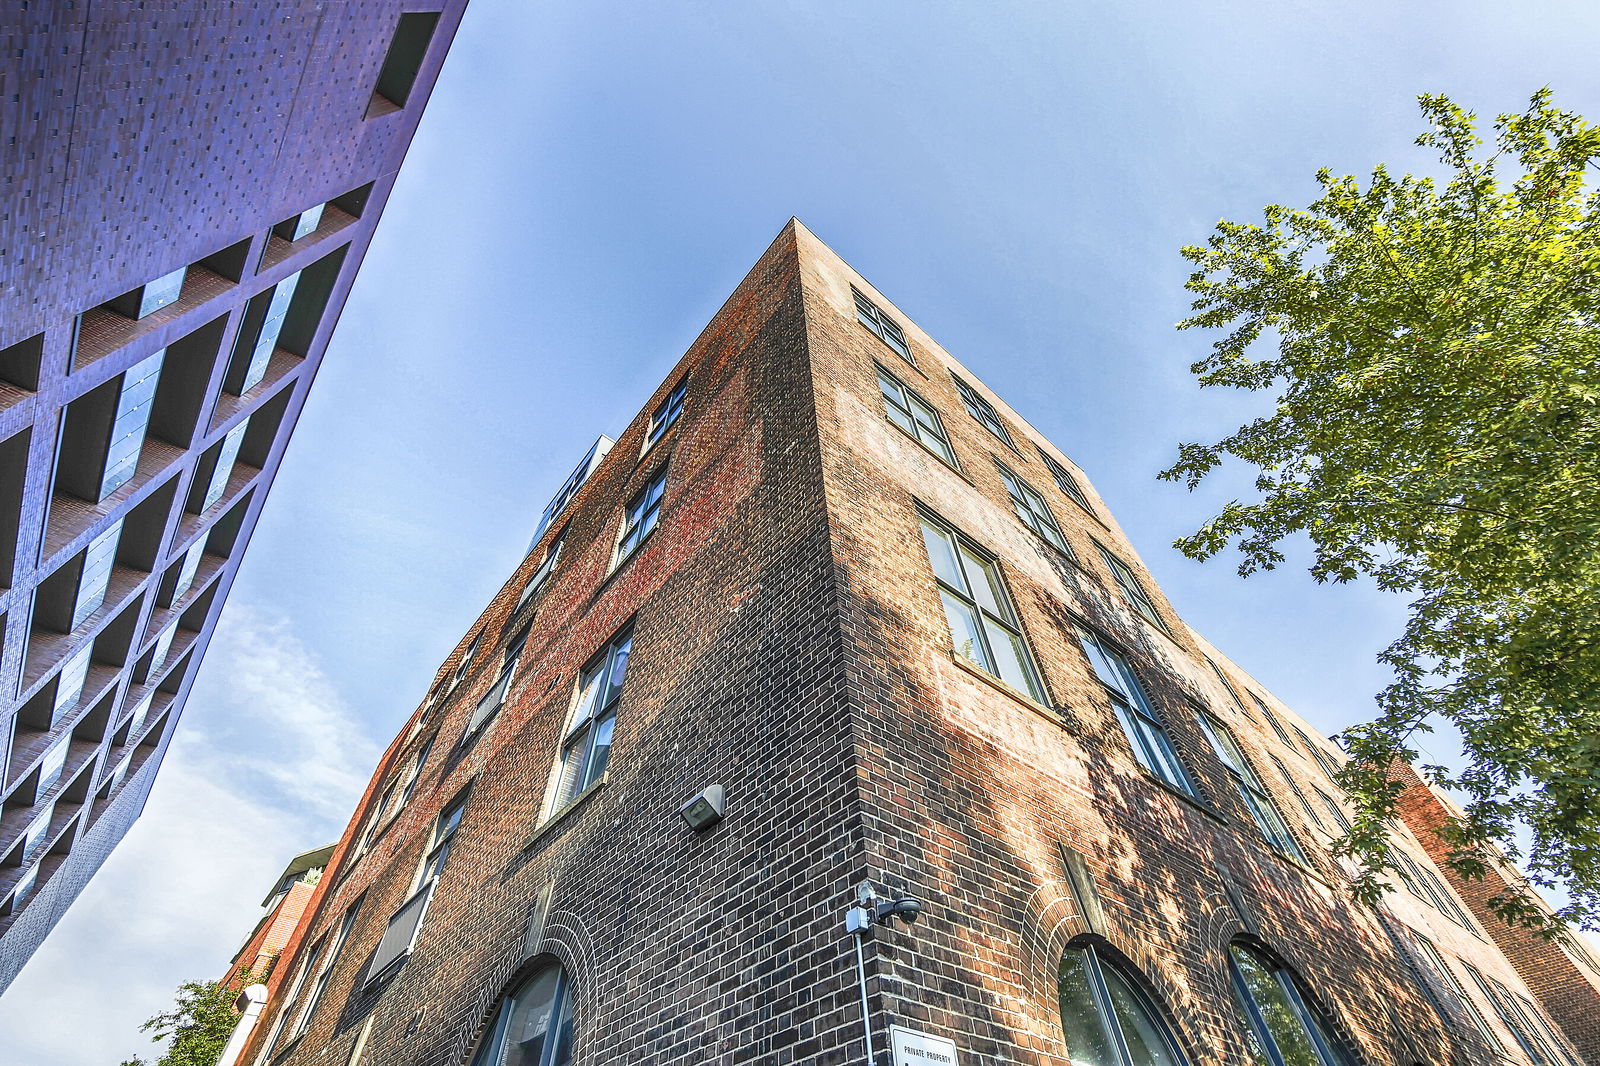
(984, 584)
(1147, 1045)
(1088, 1044)
(600, 750)
(1011, 660)
(529, 1025)
(574, 758)
(942, 554)
(964, 631)
(1275, 1018)
(618, 669)
(900, 418)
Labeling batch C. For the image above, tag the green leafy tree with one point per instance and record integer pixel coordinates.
(1431, 346)
(200, 1023)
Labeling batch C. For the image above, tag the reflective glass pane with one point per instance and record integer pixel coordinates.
(530, 1023)
(619, 668)
(985, 584)
(942, 554)
(899, 417)
(1012, 660)
(1284, 1028)
(573, 761)
(964, 631)
(1088, 1044)
(600, 752)
(1146, 1041)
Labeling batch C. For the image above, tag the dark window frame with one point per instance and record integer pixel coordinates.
(982, 410)
(881, 325)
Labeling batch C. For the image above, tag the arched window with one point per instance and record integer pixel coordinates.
(1284, 1029)
(1106, 1019)
(534, 1025)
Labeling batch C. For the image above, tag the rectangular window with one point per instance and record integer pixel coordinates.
(329, 959)
(540, 577)
(1446, 980)
(94, 579)
(415, 775)
(587, 747)
(886, 328)
(1227, 686)
(982, 410)
(913, 414)
(466, 659)
(1146, 734)
(1272, 718)
(1032, 509)
(1255, 796)
(1298, 793)
(302, 225)
(279, 1027)
(491, 702)
(1064, 480)
(1339, 817)
(404, 59)
(69, 683)
(401, 933)
(252, 369)
(983, 624)
(50, 767)
(186, 572)
(1500, 997)
(641, 515)
(222, 466)
(666, 414)
(152, 296)
(1132, 590)
(135, 402)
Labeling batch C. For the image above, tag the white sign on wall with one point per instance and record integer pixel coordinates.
(912, 1048)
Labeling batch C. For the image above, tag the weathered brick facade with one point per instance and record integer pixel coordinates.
(173, 171)
(789, 644)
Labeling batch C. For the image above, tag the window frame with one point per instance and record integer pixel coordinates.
(1312, 1023)
(586, 720)
(1133, 591)
(1043, 520)
(666, 414)
(1003, 615)
(491, 1047)
(1065, 481)
(483, 712)
(1262, 807)
(880, 325)
(1151, 745)
(909, 406)
(539, 580)
(425, 883)
(334, 945)
(639, 526)
(1100, 996)
(982, 410)
(1435, 961)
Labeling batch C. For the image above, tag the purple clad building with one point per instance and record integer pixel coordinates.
(187, 189)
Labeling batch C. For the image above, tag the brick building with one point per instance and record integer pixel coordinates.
(828, 571)
(287, 905)
(189, 189)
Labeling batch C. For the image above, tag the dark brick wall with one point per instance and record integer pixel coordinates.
(789, 645)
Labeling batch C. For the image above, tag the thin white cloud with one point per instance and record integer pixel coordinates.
(267, 762)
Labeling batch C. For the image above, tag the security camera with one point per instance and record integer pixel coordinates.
(907, 909)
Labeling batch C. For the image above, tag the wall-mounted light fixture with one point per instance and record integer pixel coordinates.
(705, 809)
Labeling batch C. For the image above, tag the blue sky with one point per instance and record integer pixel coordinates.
(590, 181)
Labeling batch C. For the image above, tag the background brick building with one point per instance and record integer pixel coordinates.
(852, 587)
(189, 189)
